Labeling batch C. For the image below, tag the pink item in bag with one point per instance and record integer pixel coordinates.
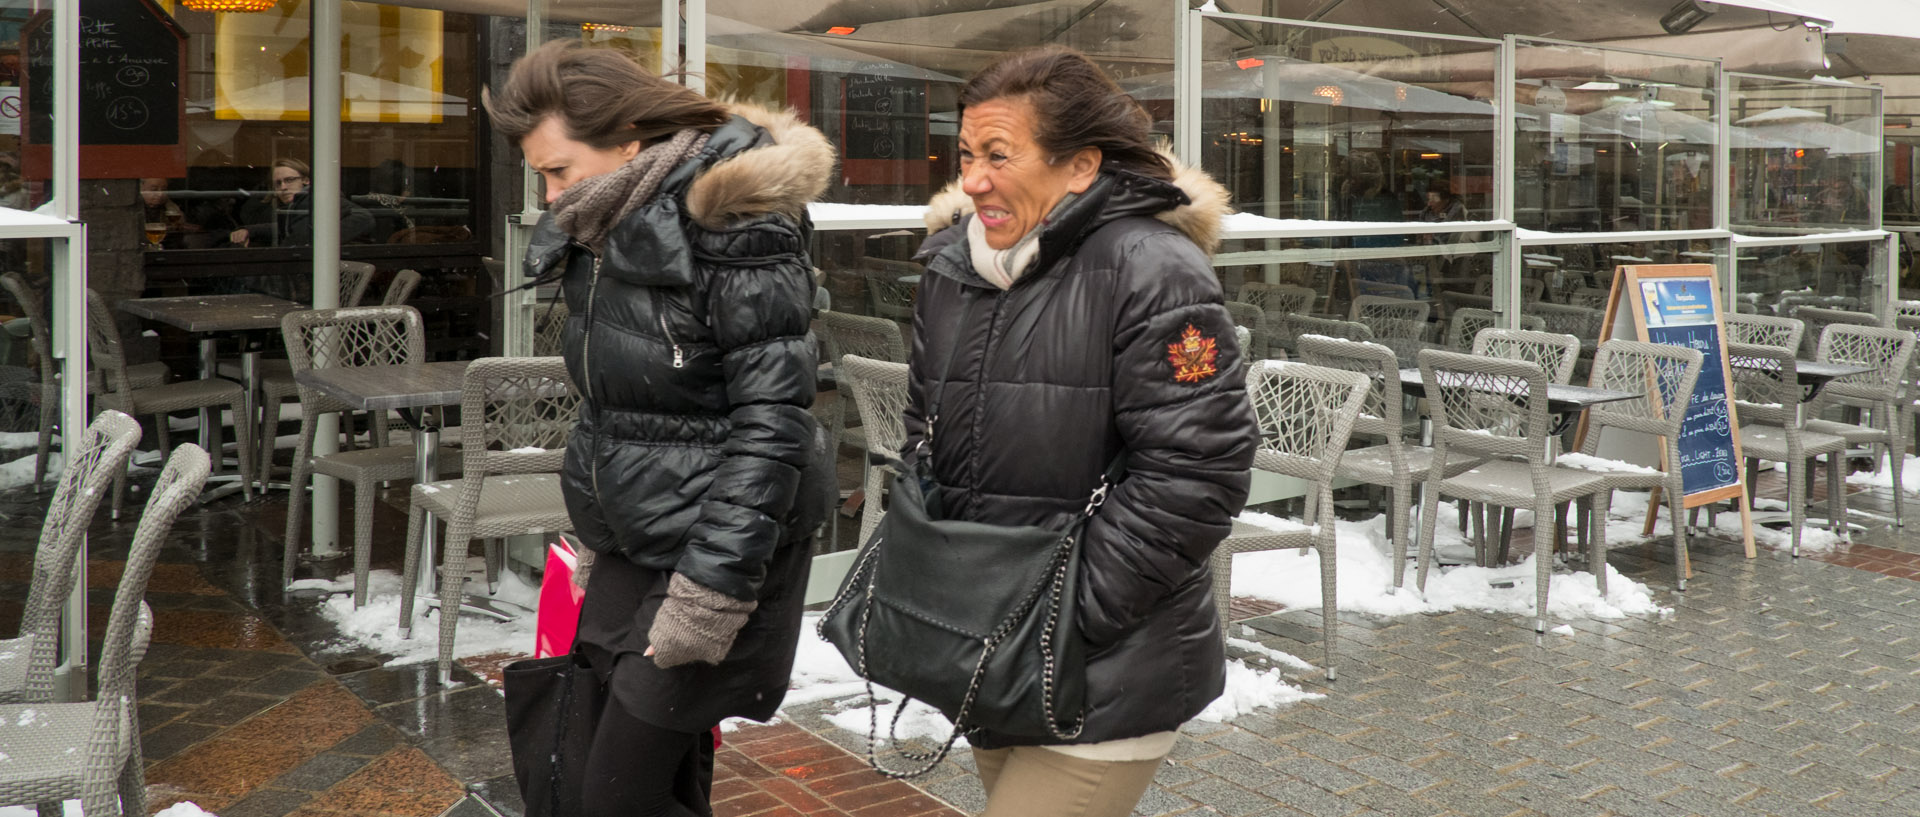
(559, 613)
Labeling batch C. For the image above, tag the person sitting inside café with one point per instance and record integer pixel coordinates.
(285, 219)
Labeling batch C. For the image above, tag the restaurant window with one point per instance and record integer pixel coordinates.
(1565, 287)
(1609, 140)
(1306, 122)
(1774, 280)
(409, 114)
(1806, 156)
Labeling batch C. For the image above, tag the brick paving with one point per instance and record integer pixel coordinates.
(1775, 687)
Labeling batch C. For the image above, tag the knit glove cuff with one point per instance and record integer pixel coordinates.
(696, 623)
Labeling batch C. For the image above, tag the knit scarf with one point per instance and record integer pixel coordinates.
(590, 208)
(1002, 267)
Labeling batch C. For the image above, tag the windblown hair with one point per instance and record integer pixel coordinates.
(602, 97)
(1075, 104)
(296, 166)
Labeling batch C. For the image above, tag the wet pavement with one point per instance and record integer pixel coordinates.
(1775, 687)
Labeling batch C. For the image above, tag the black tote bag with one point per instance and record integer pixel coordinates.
(976, 620)
(553, 707)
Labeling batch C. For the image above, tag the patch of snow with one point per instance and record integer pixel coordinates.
(19, 473)
(1249, 689)
(1564, 629)
(1278, 656)
(375, 624)
(1588, 462)
(1882, 475)
(1275, 523)
(71, 808)
(531, 449)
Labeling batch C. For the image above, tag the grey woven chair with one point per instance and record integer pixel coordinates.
(1468, 321)
(1578, 321)
(27, 660)
(1553, 352)
(1818, 318)
(1390, 317)
(322, 339)
(1767, 397)
(46, 393)
(872, 338)
(515, 416)
(1664, 376)
(880, 390)
(1590, 297)
(1764, 330)
(1910, 405)
(1294, 326)
(1906, 308)
(109, 356)
(1452, 301)
(400, 289)
(274, 376)
(1881, 393)
(550, 328)
(1531, 289)
(1277, 299)
(90, 751)
(1305, 414)
(1496, 409)
(1255, 320)
(1395, 463)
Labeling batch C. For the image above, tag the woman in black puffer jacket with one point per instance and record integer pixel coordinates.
(1070, 315)
(678, 232)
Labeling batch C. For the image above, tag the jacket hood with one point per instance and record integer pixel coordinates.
(781, 176)
(1199, 217)
(761, 162)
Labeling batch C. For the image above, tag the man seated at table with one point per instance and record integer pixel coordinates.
(286, 218)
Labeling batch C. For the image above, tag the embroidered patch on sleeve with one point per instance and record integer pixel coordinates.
(1192, 357)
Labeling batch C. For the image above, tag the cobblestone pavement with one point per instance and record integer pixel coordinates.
(1776, 686)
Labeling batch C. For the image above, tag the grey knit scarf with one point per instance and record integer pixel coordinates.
(591, 207)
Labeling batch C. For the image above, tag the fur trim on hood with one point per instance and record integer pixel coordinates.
(1201, 221)
(781, 177)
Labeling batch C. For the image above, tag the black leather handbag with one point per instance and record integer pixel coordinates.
(976, 620)
(553, 709)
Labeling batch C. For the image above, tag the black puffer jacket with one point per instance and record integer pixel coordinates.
(688, 337)
(1084, 357)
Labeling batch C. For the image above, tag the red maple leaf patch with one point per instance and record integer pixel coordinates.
(1192, 357)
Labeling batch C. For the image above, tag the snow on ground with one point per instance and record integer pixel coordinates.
(19, 473)
(374, 625)
(72, 809)
(1882, 476)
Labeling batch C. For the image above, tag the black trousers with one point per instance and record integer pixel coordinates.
(636, 769)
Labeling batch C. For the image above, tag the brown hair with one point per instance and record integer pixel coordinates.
(1075, 104)
(602, 96)
(294, 165)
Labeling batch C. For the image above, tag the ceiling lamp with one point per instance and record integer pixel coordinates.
(610, 28)
(229, 6)
(1687, 14)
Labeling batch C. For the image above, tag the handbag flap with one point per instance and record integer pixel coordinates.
(961, 576)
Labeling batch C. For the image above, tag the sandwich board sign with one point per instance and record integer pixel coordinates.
(1679, 305)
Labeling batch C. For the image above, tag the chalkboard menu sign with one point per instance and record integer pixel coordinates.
(132, 60)
(1679, 305)
(883, 122)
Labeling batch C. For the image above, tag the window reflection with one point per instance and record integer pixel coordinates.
(1805, 155)
(1777, 280)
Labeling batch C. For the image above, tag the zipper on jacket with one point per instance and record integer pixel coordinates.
(586, 369)
(679, 358)
(980, 388)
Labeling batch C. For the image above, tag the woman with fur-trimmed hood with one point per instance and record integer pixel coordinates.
(677, 229)
(1069, 316)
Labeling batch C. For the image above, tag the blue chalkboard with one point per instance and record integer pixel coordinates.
(1681, 311)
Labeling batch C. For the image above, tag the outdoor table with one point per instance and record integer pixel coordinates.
(1814, 375)
(211, 316)
(1564, 401)
(411, 389)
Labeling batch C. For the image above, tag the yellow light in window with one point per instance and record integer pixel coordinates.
(607, 27)
(231, 6)
(1429, 155)
(1331, 93)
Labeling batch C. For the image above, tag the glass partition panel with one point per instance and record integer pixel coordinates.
(1806, 156)
(1899, 204)
(1324, 123)
(1408, 295)
(1776, 280)
(1565, 287)
(29, 397)
(1610, 140)
(883, 80)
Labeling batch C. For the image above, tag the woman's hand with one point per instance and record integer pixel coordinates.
(238, 237)
(695, 623)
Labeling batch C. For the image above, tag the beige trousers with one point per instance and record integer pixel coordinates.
(1028, 781)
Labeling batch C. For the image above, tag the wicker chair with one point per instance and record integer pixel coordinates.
(1531, 289)
(1764, 330)
(1553, 352)
(1255, 320)
(47, 395)
(109, 356)
(550, 328)
(516, 414)
(1665, 376)
(1767, 396)
(1881, 393)
(1590, 297)
(872, 338)
(91, 750)
(275, 376)
(1277, 299)
(27, 660)
(1817, 319)
(880, 390)
(1495, 409)
(400, 289)
(1390, 317)
(1468, 321)
(322, 339)
(1294, 326)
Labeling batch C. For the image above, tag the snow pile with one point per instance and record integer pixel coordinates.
(1882, 476)
(374, 625)
(19, 473)
(1630, 508)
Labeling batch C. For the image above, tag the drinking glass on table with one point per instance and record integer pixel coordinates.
(156, 233)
